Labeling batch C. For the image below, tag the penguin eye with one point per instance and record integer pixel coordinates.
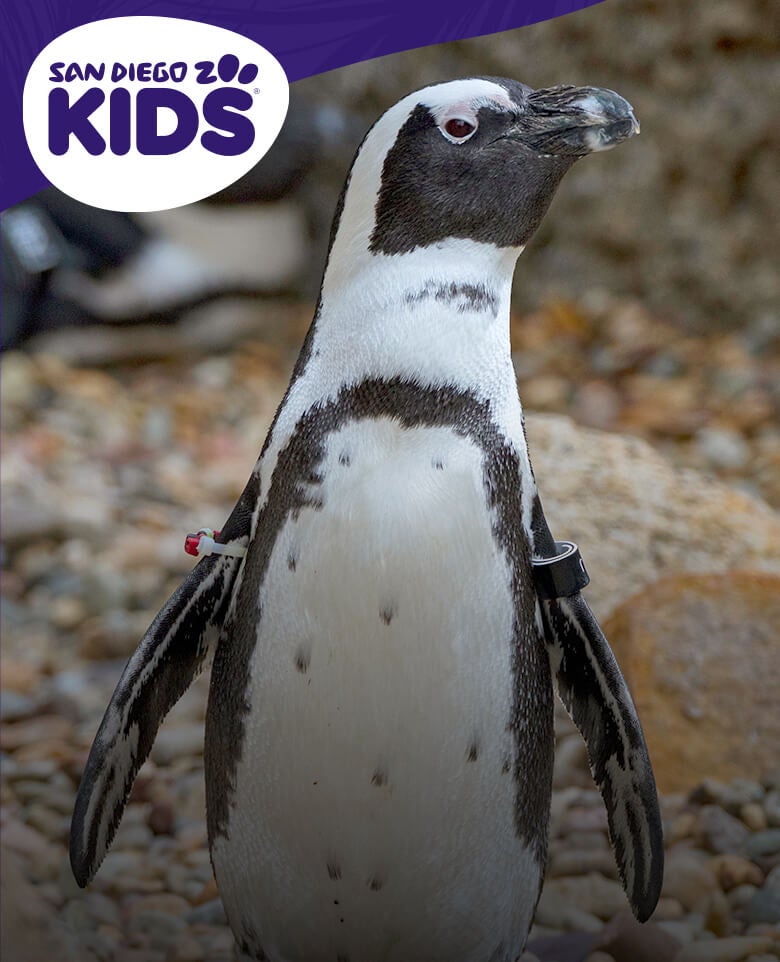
(458, 129)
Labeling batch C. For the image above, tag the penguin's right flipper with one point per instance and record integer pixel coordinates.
(164, 665)
(596, 696)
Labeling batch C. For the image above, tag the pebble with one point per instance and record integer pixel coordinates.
(723, 448)
(593, 893)
(210, 913)
(558, 913)
(772, 881)
(164, 902)
(627, 940)
(177, 742)
(14, 707)
(186, 949)
(156, 929)
(772, 808)
(688, 878)
(741, 895)
(720, 832)
(734, 870)
(763, 843)
(764, 906)
(754, 816)
(723, 950)
(582, 862)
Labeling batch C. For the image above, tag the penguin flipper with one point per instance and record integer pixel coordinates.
(596, 696)
(162, 668)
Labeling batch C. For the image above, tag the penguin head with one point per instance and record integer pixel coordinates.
(476, 159)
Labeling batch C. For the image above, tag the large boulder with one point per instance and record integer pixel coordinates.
(637, 518)
(686, 580)
(701, 654)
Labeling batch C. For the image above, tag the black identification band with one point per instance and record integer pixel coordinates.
(561, 576)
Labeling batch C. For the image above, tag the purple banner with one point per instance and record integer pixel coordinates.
(306, 36)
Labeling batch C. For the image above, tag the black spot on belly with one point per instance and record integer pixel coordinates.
(438, 464)
(315, 477)
(375, 884)
(292, 560)
(387, 613)
(505, 766)
(379, 778)
(472, 753)
(345, 459)
(334, 871)
(302, 660)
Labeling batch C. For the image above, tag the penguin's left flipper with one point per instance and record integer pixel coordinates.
(596, 696)
(162, 668)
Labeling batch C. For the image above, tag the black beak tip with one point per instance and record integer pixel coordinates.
(610, 119)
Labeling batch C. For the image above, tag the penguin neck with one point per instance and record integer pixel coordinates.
(436, 315)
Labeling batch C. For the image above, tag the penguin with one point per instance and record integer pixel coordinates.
(389, 612)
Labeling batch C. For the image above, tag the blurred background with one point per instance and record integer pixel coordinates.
(144, 356)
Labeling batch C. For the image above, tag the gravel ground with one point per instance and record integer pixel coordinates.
(104, 470)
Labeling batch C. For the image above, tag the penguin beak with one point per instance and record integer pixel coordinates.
(574, 121)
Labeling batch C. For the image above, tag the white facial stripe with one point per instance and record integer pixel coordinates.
(471, 91)
(350, 250)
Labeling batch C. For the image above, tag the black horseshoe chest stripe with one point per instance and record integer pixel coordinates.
(412, 405)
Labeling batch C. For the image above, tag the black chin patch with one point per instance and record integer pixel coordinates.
(491, 188)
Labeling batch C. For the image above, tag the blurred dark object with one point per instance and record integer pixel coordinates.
(32, 248)
(68, 264)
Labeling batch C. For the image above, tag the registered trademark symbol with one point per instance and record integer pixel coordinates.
(256, 90)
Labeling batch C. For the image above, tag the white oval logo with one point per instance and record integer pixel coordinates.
(148, 113)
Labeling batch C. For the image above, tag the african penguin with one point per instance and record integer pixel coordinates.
(379, 734)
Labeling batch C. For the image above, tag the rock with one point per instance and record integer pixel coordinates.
(592, 893)
(700, 655)
(176, 742)
(723, 950)
(732, 796)
(571, 947)
(763, 843)
(571, 763)
(764, 906)
(668, 910)
(734, 870)
(209, 913)
(14, 707)
(157, 929)
(688, 878)
(741, 895)
(165, 903)
(557, 912)
(186, 949)
(719, 832)
(772, 881)
(723, 448)
(582, 862)
(636, 518)
(161, 818)
(754, 816)
(42, 728)
(20, 676)
(627, 940)
(772, 808)
(29, 929)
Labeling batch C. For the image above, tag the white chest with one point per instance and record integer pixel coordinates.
(373, 815)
